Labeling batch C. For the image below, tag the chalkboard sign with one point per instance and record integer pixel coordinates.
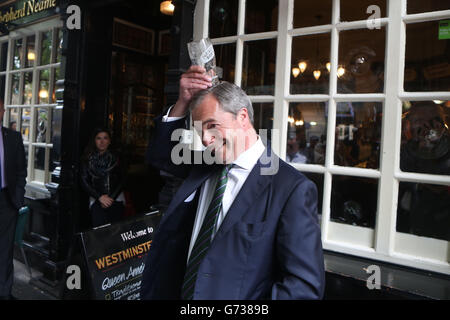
(115, 256)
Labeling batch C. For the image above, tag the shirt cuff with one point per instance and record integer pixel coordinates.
(166, 117)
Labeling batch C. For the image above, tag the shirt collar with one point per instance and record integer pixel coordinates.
(248, 158)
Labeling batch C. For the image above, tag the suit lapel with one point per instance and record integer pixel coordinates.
(192, 183)
(255, 184)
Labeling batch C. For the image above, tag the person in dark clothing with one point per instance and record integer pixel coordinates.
(102, 179)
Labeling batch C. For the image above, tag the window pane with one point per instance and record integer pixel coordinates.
(30, 57)
(263, 117)
(427, 60)
(3, 56)
(2, 87)
(258, 69)
(424, 210)
(42, 117)
(310, 58)
(354, 200)
(425, 145)
(307, 129)
(39, 160)
(261, 16)
(25, 128)
(15, 88)
(312, 13)
(59, 43)
(223, 16)
(28, 88)
(361, 55)
(14, 119)
(418, 6)
(46, 47)
(44, 86)
(226, 59)
(352, 10)
(358, 134)
(18, 54)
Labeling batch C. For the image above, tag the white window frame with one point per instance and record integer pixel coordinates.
(383, 242)
(35, 177)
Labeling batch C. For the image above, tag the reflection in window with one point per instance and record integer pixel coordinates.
(44, 86)
(358, 134)
(18, 54)
(25, 124)
(39, 159)
(354, 201)
(59, 43)
(361, 61)
(30, 56)
(425, 146)
(41, 125)
(258, 69)
(427, 59)
(226, 59)
(424, 210)
(419, 6)
(223, 18)
(352, 10)
(261, 16)
(306, 13)
(28, 88)
(310, 64)
(46, 47)
(306, 133)
(15, 89)
(263, 117)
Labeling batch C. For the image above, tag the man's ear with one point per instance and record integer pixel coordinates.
(243, 118)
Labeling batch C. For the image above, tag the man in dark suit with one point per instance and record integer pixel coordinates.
(242, 228)
(13, 173)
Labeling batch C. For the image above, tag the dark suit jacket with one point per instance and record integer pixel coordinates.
(15, 166)
(268, 246)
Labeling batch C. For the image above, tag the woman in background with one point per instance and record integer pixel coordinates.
(102, 179)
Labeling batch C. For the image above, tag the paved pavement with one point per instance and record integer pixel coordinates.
(23, 289)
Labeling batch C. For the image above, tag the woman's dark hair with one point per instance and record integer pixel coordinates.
(91, 147)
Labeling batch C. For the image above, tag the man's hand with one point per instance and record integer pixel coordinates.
(105, 201)
(192, 81)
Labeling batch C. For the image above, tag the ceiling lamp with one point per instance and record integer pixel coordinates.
(340, 71)
(43, 94)
(295, 72)
(328, 65)
(31, 56)
(317, 74)
(167, 8)
(302, 66)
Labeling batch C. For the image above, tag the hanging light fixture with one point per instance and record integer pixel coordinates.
(295, 72)
(328, 65)
(302, 66)
(31, 56)
(167, 8)
(317, 74)
(340, 71)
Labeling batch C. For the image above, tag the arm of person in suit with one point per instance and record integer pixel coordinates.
(160, 147)
(21, 174)
(299, 247)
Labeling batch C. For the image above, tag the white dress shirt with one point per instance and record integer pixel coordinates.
(238, 174)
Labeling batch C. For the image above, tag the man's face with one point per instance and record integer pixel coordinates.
(220, 130)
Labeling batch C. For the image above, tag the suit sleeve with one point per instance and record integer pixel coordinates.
(299, 247)
(159, 150)
(21, 175)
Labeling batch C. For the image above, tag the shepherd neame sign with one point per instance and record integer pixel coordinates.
(28, 8)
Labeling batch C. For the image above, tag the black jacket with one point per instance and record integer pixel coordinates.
(102, 174)
(15, 166)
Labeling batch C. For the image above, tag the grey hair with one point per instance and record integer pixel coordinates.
(231, 98)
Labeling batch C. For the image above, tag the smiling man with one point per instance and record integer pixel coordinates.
(231, 232)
